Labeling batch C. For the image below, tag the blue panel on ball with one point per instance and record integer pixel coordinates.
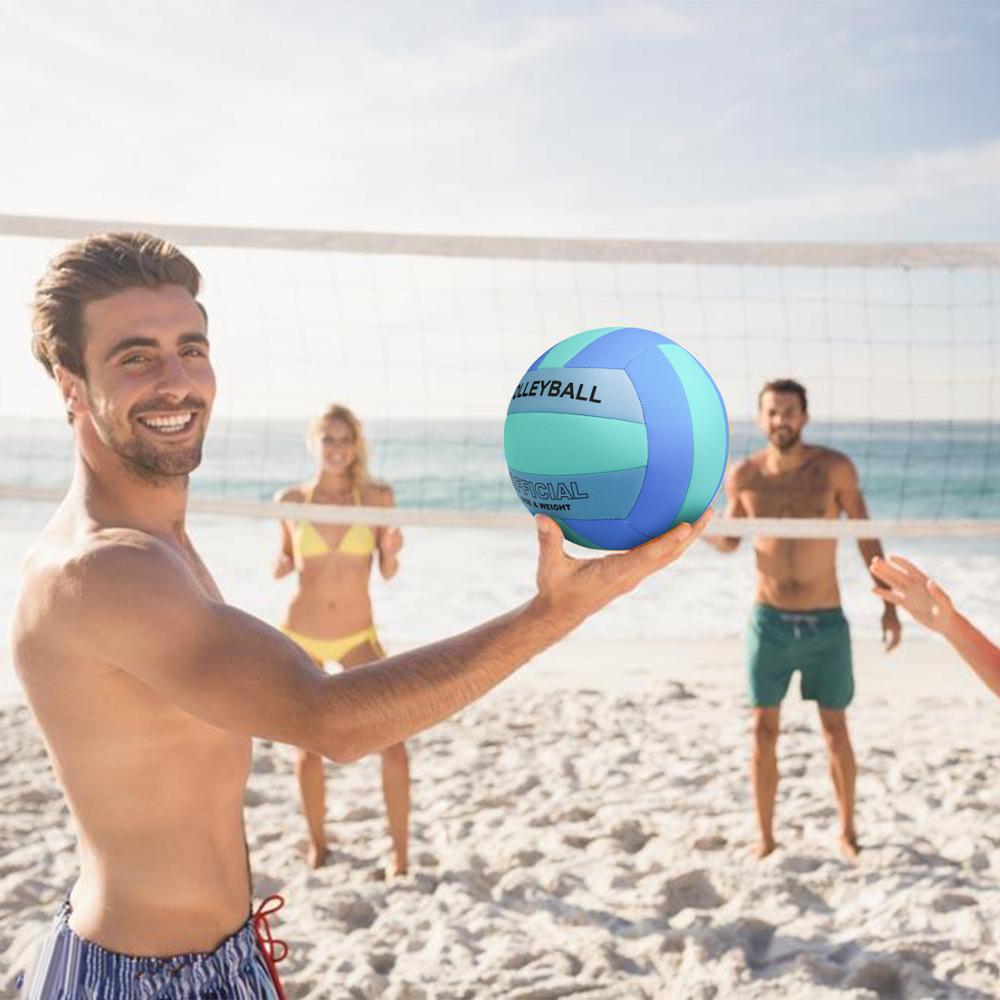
(604, 495)
(571, 536)
(616, 349)
(537, 361)
(606, 534)
(671, 449)
(556, 357)
(597, 392)
(710, 428)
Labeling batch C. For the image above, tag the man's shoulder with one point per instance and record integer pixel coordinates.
(123, 560)
(73, 586)
(826, 453)
(830, 458)
(746, 469)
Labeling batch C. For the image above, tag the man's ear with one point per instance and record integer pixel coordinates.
(72, 389)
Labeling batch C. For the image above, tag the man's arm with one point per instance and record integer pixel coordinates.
(851, 501)
(136, 605)
(734, 508)
(905, 584)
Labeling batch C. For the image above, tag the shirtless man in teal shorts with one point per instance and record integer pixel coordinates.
(796, 622)
(148, 686)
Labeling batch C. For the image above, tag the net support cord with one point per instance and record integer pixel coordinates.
(411, 517)
(707, 252)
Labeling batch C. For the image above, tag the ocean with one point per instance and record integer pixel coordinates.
(923, 469)
(453, 578)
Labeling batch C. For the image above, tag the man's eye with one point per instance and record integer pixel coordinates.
(194, 352)
(131, 359)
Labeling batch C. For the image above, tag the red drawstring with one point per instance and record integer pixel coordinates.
(268, 944)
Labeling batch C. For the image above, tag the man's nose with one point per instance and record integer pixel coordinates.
(174, 379)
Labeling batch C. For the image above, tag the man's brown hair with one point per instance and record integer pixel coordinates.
(93, 268)
(785, 385)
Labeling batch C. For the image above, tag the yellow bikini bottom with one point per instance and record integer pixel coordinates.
(327, 650)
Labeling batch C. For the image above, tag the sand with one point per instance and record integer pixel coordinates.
(586, 831)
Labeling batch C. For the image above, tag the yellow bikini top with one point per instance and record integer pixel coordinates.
(307, 542)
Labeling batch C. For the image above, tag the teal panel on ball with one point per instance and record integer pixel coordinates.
(557, 444)
(566, 349)
(709, 428)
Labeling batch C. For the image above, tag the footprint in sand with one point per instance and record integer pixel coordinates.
(799, 864)
(527, 785)
(676, 691)
(949, 901)
(576, 815)
(714, 842)
(263, 764)
(351, 910)
(361, 813)
(630, 836)
(755, 938)
(692, 890)
(382, 962)
(881, 975)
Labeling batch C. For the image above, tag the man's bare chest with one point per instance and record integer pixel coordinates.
(806, 492)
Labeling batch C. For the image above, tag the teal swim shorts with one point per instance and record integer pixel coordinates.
(816, 643)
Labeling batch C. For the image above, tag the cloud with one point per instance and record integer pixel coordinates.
(874, 201)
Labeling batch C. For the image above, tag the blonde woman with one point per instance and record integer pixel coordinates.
(330, 613)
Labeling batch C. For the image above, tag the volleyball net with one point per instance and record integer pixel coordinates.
(425, 337)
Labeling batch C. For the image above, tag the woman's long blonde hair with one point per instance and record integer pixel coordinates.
(357, 472)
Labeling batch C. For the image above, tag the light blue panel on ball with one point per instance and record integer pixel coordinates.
(607, 494)
(606, 534)
(557, 444)
(671, 447)
(616, 349)
(557, 356)
(710, 430)
(594, 392)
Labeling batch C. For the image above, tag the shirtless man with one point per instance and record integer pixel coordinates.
(148, 687)
(797, 622)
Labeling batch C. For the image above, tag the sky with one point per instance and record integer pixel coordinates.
(743, 121)
(828, 121)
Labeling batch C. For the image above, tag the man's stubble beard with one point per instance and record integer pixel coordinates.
(146, 462)
(786, 444)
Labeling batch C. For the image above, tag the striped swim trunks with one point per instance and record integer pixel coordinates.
(71, 968)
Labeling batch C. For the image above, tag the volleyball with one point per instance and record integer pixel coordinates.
(618, 434)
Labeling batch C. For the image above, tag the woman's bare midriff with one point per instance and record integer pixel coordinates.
(332, 597)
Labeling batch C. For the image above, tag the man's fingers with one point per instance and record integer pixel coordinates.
(550, 536)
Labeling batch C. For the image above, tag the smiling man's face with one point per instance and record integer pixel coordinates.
(782, 418)
(149, 384)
